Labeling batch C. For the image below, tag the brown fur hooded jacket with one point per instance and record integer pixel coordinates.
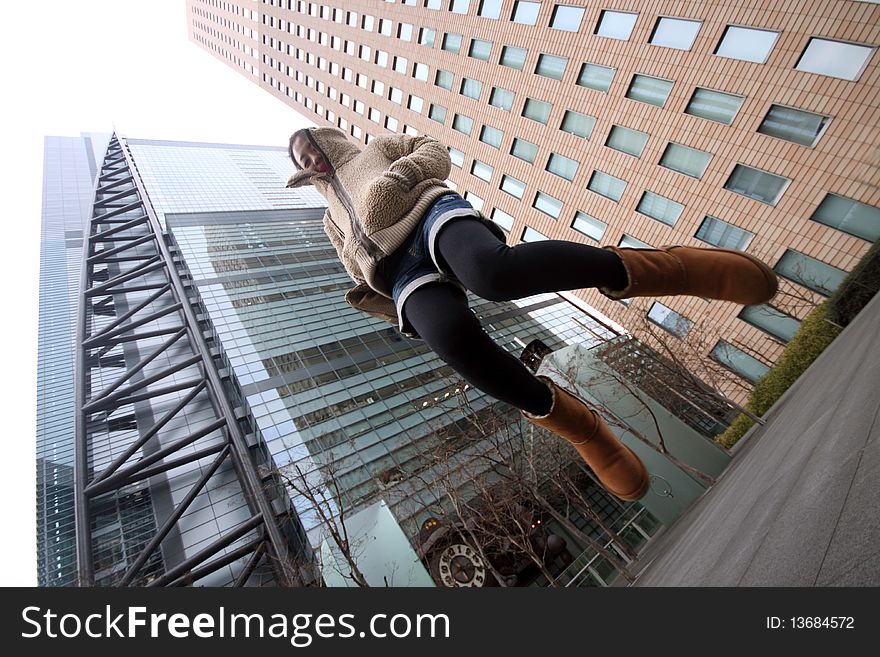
(375, 198)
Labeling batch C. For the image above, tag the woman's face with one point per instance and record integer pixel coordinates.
(308, 156)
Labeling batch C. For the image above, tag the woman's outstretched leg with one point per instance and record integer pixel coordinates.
(440, 314)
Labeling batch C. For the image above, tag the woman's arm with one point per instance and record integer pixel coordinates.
(415, 158)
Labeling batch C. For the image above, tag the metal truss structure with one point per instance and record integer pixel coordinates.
(162, 440)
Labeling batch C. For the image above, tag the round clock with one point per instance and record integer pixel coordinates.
(461, 565)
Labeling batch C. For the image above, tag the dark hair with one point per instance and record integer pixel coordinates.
(301, 131)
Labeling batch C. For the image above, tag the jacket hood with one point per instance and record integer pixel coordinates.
(334, 146)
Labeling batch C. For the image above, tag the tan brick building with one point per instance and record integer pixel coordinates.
(748, 125)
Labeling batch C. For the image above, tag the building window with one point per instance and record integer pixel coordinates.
(756, 184)
(660, 208)
(367, 23)
(850, 216)
(562, 166)
(452, 42)
(771, 321)
(567, 18)
(480, 49)
(490, 9)
(427, 37)
(491, 136)
(409, 130)
(456, 156)
(460, 6)
(379, 88)
(551, 67)
(525, 13)
(512, 186)
(589, 226)
(471, 88)
(444, 79)
(739, 361)
(616, 24)
(630, 242)
(437, 113)
(669, 320)
(524, 150)
(502, 219)
(746, 43)
(362, 81)
(537, 110)
(385, 27)
(356, 132)
(809, 272)
(547, 204)
(675, 33)
(382, 58)
(401, 64)
(837, 59)
(607, 185)
(724, 235)
(626, 140)
(513, 57)
(481, 170)
(359, 106)
(365, 53)
(714, 105)
(396, 96)
(795, 125)
(578, 124)
(501, 98)
(475, 201)
(404, 32)
(531, 235)
(646, 89)
(374, 115)
(685, 159)
(463, 123)
(391, 123)
(595, 77)
(432, 4)
(420, 72)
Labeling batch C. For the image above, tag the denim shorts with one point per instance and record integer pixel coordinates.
(415, 263)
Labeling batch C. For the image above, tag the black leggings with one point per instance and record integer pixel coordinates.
(497, 272)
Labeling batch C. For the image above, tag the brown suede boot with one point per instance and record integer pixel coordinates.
(723, 274)
(615, 465)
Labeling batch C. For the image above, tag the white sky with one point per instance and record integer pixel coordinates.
(91, 66)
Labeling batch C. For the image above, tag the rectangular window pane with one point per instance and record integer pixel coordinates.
(471, 88)
(475, 201)
(809, 272)
(525, 13)
(502, 219)
(524, 150)
(437, 113)
(595, 77)
(490, 8)
(460, 6)
(427, 36)
(537, 110)
(456, 156)
(531, 235)
(551, 67)
(740, 362)
(416, 103)
(686, 160)
(444, 79)
(463, 123)
(756, 184)
(513, 57)
(793, 125)
(616, 24)
(630, 242)
(513, 186)
(480, 49)
(675, 33)
(491, 136)
(849, 216)
(646, 89)
(589, 226)
(835, 58)
(722, 234)
(746, 43)
(420, 72)
(481, 170)
(770, 320)
(714, 105)
(578, 124)
(501, 98)
(452, 42)
(547, 204)
(562, 166)
(660, 208)
(626, 140)
(400, 64)
(606, 185)
(668, 319)
(567, 18)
